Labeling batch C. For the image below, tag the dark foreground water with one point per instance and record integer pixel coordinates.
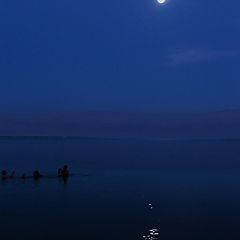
(121, 189)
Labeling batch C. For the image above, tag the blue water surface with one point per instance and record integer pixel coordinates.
(121, 189)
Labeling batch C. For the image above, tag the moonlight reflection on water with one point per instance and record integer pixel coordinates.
(152, 235)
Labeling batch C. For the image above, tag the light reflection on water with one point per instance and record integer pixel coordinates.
(153, 234)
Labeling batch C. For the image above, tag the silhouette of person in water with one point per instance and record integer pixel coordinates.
(36, 175)
(65, 172)
(60, 172)
(23, 176)
(4, 174)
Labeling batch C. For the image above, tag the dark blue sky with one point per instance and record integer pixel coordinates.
(130, 55)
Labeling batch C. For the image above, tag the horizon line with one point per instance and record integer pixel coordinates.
(115, 138)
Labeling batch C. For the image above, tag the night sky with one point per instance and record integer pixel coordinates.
(130, 55)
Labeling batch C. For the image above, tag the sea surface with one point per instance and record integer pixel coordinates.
(126, 189)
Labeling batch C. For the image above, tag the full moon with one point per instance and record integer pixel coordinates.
(161, 1)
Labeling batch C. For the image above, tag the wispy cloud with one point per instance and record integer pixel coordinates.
(193, 56)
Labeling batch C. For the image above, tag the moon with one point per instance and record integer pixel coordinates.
(161, 1)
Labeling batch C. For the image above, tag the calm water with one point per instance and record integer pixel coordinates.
(121, 189)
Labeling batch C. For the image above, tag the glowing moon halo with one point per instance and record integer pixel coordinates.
(161, 1)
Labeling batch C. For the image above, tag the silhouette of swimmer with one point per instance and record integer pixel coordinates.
(65, 172)
(12, 174)
(36, 174)
(23, 176)
(59, 172)
(4, 174)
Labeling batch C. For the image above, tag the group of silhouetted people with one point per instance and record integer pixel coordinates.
(62, 172)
